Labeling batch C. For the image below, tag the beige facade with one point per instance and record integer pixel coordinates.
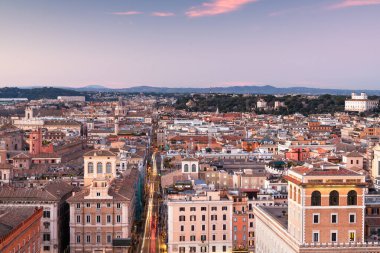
(200, 222)
(103, 212)
(325, 214)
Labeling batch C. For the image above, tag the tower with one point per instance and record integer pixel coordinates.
(28, 113)
(325, 204)
(99, 165)
(35, 142)
(116, 126)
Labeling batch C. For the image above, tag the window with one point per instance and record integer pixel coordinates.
(213, 248)
(78, 238)
(315, 218)
(192, 209)
(182, 250)
(46, 214)
(203, 217)
(213, 237)
(181, 209)
(46, 237)
(90, 168)
(334, 218)
(108, 168)
(315, 236)
(224, 217)
(203, 238)
(193, 249)
(186, 168)
(97, 218)
(182, 228)
(214, 217)
(118, 205)
(108, 205)
(88, 218)
(316, 198)
(213, 227)
(352, 198)
(88, 238)
(203, 227)
(118, 218)
(88, 205)
(98, 205)
(193, 218)
(78, 205)
(98, 238)
(224, 237)
(224, 248)
(351, 235)
(108, 218)
(99, 168)
(46, 248)
(352, 218)
(334, 198)
(214, 208)
(109, 238)
(334, 237)
(182, 238)
(203, 208)
(182, 218)
(192, 238)
(224, 208)
(224, 227)
(193, 168)
(192, 227)
(78, 218)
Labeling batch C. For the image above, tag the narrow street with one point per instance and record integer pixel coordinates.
(151, 241)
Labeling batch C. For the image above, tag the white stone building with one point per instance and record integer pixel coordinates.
(360, 103)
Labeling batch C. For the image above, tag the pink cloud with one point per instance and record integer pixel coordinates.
(127, 13)
(216, 7)
(163, 14)
(353, 3)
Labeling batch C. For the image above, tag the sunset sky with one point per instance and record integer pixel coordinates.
(188, 43)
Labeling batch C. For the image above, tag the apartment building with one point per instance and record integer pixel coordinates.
(20, 228)
(102, 214)
(325, 213)
(54, 223)
(199, 221)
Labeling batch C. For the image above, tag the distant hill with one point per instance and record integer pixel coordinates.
(253, 89)
(37, 93)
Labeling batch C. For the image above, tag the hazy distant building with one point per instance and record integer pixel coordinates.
(360, 103)
(71, 98)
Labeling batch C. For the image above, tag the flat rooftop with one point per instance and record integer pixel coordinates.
(278, 214)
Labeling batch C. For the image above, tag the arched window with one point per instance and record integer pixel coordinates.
(193, 168)
(90, 167)
(334, 198)
(316, 198)
(108, 167)
(186, 168)
(99, 168)
(352, 197)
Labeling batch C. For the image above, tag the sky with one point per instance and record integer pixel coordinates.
(190, 43)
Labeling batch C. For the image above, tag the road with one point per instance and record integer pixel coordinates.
(151, 242)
